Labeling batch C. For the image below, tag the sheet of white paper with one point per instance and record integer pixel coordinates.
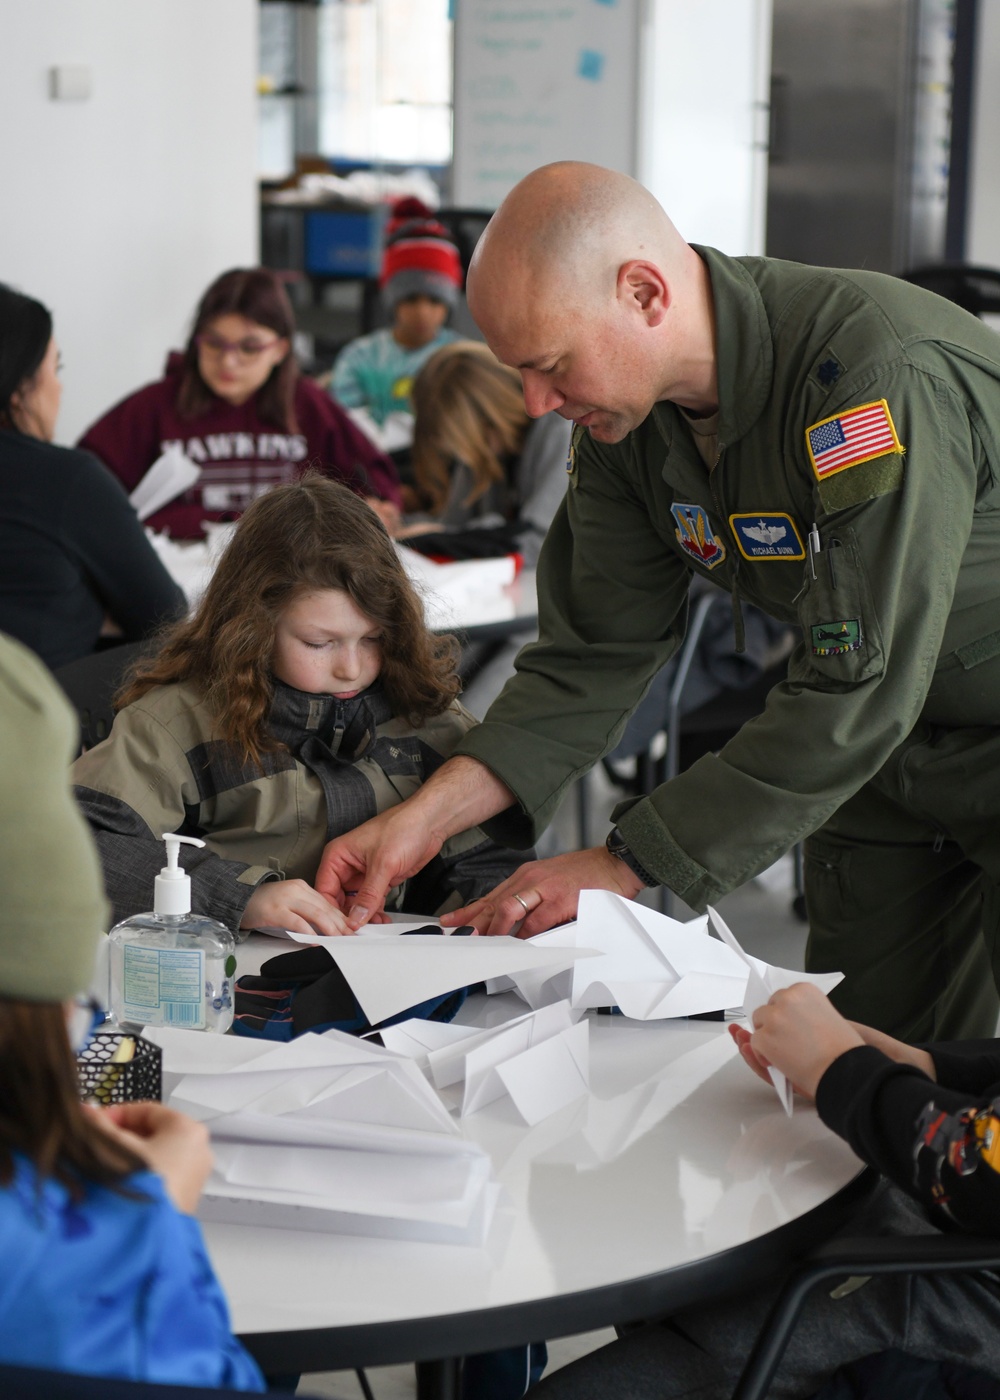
(459, 594)
(762, 981)
(389, 974)
(171, 473)
(395, 929)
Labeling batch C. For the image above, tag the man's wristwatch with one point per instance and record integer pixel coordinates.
(618, 847)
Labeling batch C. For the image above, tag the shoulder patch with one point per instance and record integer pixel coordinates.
(849, 438)
(695, 534)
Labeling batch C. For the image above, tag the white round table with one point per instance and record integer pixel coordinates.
(678, 1179)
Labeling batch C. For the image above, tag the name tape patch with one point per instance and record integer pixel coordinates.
(858, 435)
(772, 535)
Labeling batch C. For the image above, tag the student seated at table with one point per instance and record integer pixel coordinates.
(490, 480)
(73, 557)
(304, 696)
(930, 1121)
(104, 1269)
(420, 280)
(236, 404)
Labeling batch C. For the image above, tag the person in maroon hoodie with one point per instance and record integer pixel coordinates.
(236, 404)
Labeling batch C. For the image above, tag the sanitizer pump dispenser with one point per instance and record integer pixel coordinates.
(172, 967)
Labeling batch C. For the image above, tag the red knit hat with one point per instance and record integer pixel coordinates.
(420, 258)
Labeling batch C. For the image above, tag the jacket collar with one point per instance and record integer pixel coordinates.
(743, 348)
(345, 727)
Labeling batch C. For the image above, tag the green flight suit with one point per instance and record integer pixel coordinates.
(885, 738)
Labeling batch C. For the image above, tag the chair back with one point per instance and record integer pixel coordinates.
(91, 683)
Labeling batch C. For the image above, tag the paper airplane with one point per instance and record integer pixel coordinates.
(649, 966)
(541, 1060)
(328, 1132)
(763, 980)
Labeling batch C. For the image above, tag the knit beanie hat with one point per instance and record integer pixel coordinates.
(420, 257)
(53, 908)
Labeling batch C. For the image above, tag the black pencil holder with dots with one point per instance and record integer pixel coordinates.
(104, 1081)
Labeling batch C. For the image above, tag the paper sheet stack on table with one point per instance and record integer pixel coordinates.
(328, 1132)
(461, 594)
(541, 1060)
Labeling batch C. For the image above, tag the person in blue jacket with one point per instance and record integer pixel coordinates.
(104, 1269)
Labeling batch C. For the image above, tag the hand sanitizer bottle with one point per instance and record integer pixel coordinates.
(172, 967)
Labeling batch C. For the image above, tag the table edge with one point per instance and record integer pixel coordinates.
(513, 1324)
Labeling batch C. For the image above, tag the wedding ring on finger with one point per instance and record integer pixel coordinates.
(520, 901)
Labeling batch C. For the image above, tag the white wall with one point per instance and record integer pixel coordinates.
(703, 117)
(118, 211)
(983, 242)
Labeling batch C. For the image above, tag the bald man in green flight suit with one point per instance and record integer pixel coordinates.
(825, 444)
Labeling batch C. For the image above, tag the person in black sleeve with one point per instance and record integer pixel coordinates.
(929, 1120)
(73, 554)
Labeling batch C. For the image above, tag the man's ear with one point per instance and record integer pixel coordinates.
(642, 286)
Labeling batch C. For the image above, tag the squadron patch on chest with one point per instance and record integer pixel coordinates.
(835, 638)
(696, 536)
(768, 535)
(848, 438)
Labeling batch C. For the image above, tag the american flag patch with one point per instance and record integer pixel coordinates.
(852, 437)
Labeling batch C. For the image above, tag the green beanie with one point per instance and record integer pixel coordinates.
(52, 907)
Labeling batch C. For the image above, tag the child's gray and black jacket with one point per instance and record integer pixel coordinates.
(165, 768)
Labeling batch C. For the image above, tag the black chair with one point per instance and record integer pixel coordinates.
(851, 1257)
(22, 1383)
(91, 683)
(977, 289)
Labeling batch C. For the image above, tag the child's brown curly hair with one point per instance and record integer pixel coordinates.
(309, 535)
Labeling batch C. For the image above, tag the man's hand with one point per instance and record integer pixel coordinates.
(295, 905)
(171, 1144)
(543, 893)
(801, 1033)
(358, 869)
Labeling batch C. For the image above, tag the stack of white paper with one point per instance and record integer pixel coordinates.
(328, 1132)
(463, 593)
(648, 965)
(540, 1060)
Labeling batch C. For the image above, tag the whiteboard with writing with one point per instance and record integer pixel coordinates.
(541, 80)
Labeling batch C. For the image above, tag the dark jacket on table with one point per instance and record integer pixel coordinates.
(241, 455)
(72, 551)
(165, 768)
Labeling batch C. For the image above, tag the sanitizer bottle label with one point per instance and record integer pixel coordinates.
(164, 986)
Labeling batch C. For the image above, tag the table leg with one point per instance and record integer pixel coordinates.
(439, 1380)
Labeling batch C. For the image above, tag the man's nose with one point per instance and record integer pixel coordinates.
(540, 395)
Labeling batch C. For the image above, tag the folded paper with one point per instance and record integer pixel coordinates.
(389, 972)
(646, 964)
(762, 981)
(328, 1132)
(540, 1060)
